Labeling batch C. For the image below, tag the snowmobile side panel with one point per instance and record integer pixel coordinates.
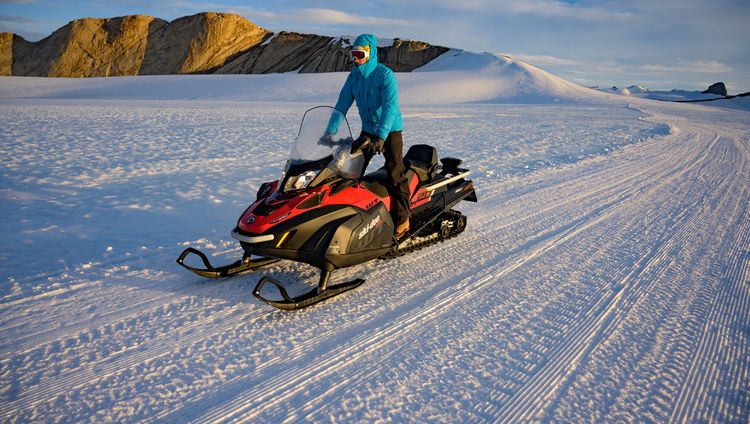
(329, 237)
(361, 240)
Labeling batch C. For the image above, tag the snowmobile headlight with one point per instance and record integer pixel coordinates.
(299, 182)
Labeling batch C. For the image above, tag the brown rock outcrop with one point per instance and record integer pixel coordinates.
(199, 43)
(6, 53)
(133, 45)
(87, 48)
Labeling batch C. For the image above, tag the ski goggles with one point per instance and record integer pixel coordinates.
(359, 53)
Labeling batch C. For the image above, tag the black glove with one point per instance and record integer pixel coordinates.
(377, 146)
(360, 143)
(326, 140)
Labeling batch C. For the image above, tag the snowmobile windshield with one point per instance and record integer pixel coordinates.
(325, 140)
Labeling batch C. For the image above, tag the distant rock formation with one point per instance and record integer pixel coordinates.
(204, 43)
(717, 88)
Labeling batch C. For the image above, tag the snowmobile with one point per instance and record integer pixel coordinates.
(324, 212)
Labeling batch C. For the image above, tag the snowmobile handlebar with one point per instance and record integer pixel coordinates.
(360, 144)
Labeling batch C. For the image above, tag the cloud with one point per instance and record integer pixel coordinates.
(15, 20)
(557, 9)
(698, 66)
(683, 74)
(24, 27)
(542, 59)
(541, 8)
(307, 16)
(317, 16)
(330, 16)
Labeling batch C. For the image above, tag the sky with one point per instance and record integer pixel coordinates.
(659, 44)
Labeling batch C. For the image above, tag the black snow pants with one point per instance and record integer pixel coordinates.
(398, 185)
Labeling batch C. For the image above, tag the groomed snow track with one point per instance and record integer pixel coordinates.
(612, 289)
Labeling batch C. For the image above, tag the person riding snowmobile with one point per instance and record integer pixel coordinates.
(374, 87)
(324, 212)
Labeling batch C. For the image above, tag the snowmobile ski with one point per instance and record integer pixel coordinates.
(242, 266)
(316, 295)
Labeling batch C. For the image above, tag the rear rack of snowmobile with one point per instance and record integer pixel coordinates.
(246, 264)
(461, 173)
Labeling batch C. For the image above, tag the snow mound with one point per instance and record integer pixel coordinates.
(638, 89)
(493, 78)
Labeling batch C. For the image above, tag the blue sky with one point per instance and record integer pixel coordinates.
(656, 43)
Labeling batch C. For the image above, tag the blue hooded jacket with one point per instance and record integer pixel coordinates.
(374, 87)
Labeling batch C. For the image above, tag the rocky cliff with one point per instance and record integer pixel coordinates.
(203, 43)
(716, 88)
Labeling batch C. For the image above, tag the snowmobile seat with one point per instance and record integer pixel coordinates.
(423, 160)
(377, 181)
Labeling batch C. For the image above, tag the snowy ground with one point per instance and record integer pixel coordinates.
(604, 275)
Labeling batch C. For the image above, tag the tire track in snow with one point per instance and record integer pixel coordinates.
(646, 393)
(733, 294)
(557, 373)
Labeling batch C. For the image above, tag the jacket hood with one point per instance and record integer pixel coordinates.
(372, 63)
